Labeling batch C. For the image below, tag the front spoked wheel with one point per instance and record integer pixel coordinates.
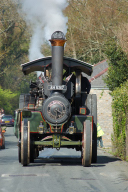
(87, 144)
(25, 142)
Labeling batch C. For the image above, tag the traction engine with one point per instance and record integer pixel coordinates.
(58, 112)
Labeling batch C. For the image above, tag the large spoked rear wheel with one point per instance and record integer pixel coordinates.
(87, 144)
(91, 103)
(94, 135)
(25, 142)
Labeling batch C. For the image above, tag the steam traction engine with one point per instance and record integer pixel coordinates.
(58, 112)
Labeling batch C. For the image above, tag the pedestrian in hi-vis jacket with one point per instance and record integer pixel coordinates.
(100, 133)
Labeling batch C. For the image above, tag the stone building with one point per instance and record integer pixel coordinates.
(104, 110)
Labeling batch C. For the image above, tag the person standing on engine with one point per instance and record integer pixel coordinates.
(100, 133)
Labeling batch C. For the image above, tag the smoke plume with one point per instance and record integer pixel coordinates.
(44, 17)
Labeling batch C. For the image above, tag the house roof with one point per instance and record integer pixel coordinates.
(99, 72)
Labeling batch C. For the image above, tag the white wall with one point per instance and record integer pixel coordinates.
(104, 114)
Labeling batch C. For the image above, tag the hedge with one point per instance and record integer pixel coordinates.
(119, 111)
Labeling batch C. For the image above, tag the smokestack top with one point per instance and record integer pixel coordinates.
(57, 39)
(58, 35)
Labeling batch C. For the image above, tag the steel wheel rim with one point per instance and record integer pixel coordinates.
(87, 144)
(25, 142)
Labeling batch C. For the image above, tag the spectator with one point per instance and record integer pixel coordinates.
(100, 133)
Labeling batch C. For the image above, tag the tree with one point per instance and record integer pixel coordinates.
(118, 65)
(6, 97)
(13, 45)
(119, 112)
(92, 23)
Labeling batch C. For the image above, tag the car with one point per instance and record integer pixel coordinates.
(7, 120)
(2, 138)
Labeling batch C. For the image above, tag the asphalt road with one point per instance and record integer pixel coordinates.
(60, 171)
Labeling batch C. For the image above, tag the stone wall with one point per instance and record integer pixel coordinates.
(104, 114)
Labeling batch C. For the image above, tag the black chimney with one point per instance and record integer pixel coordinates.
(57, 41)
